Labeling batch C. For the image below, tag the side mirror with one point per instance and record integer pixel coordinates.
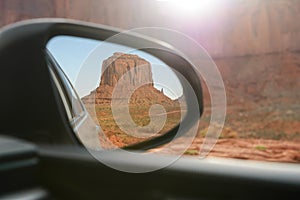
(124, 86)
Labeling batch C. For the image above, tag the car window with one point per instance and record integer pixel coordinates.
(255, 45)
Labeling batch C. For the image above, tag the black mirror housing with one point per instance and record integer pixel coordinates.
(39, 112)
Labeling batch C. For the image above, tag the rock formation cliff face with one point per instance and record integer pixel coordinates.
(136, 75)
(230, 28)
(116, 66)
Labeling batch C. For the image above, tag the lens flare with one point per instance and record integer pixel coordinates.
(189, 7)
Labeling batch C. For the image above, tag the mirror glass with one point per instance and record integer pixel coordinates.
(130, 95)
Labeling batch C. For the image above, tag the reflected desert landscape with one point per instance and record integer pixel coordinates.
(141, 98)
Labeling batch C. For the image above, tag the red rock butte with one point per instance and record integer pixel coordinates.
(138, 71)
(116, 66)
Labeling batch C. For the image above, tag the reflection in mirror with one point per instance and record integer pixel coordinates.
(132, 95)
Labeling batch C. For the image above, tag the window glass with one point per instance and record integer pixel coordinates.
(255, 45)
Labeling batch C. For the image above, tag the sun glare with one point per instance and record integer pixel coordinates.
(190, 7)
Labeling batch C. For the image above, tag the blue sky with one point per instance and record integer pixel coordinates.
(81, 59)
